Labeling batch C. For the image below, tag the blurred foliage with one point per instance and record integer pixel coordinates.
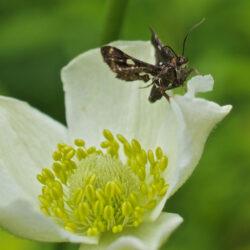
(38, 38)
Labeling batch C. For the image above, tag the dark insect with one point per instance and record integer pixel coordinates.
(169, 72)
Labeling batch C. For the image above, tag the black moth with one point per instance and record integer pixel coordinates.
(169, 72)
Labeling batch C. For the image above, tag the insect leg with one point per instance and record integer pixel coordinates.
(191, 70)
(163, 90)
(165, 95)
(148, 85)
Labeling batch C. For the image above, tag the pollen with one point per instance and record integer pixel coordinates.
(89, 191)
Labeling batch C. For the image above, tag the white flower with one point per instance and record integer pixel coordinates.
(95, 101)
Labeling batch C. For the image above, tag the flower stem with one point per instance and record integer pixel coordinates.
(114, 20)
(66, 246)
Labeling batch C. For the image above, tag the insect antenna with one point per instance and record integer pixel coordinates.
(167, 46)
(195, 26)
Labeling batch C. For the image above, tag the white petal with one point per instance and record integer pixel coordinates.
(148, 236)
(196, 118)
(27, 139)
(95, 99)
(199, 84)
(18, 215)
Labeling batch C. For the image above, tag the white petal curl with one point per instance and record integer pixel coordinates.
(199, 84)
(149, 236)
(196, 118)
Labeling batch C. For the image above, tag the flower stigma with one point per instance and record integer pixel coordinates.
(90, 191)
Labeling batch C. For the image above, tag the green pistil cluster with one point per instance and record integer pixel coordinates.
(90, 192)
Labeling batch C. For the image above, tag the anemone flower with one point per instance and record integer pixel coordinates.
(57, 184)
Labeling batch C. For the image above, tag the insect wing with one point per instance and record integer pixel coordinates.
(163, 53)
(127, 67)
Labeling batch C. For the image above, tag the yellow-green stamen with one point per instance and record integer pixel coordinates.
(90, 192)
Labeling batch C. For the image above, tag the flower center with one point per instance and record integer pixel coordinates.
(90, 192)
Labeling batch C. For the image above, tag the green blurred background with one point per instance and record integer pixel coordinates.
(37, 38)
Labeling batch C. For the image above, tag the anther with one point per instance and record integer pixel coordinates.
(126, 208)
(81, 154)
(78, 196)
(92, 231)
(41, 179)
(90, 193)
(91, 190)
(136, 145)
(57, 156)
(100, 195)
(70, 154)
(158, 153)
(91, 150)
(108, 213)
(47, 174)
(151, 157)
(105, 144)
(163, 163)
(98, 208)
(56, 167)
(163, 191)
(109, 190)
(79, 142)
(121, 138)
(84, 210)
(108, 135)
